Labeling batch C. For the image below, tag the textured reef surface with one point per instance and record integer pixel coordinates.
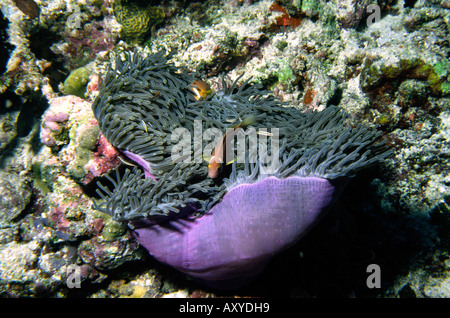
(96, 97)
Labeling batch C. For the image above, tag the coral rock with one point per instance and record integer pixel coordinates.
(350, 12)
(136, 20)
(68, 126)
(15, 196)
(104, 255)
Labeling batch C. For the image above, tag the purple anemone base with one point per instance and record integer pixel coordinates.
(232, 243)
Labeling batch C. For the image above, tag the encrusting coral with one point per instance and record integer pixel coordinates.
(136, 19)
(222, 230)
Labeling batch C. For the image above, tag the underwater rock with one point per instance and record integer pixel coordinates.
(99, 241)
(16, 195)
(54, 129)
(350, 12)
(5, 47)
(8, 128)
(66, 36)
(398, 58)
(379, 70)
(53, 265)
(250, 214)
(400, 53)
(419, 18)
(34, 268)
(419, 168)
(29, 269)
(17, 262)
(83, 146)
(83, 45)
(25, 72)
(71, 224)
(79, 154)
(412, 93)
(108, 255)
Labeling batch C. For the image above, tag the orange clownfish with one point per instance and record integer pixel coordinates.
(218, 154)
(201, 89)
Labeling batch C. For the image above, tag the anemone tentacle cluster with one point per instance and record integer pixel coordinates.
(144, 99)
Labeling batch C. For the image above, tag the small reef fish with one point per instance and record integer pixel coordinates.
(201, 89)
(217, 157)
(29, 7)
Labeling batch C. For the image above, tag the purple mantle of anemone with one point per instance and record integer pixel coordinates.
(232, 243)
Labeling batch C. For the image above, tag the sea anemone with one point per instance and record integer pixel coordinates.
(224, 230)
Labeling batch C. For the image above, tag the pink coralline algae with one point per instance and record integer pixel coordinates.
(58, 119)
(53, 125)
(70, 129)
(106, 157)
(84, 44)
(66, 209)
(92, 85)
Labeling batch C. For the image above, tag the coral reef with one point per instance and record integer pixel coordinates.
(392, 73)
(66, 36)
(85, 155)
(137, 18)
(5, 47)
(38, 248)
(82, 45)
(17, 195)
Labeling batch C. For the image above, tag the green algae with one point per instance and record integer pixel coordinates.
(281, 45)
(442, 70)
(85, 144)
(113, 230)
(284, 73)
(136, 20)
(383, 119)
(37, 178)
(378, 71)
(445, 87)
(435, 75)
(76, 82)
(309, 7)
